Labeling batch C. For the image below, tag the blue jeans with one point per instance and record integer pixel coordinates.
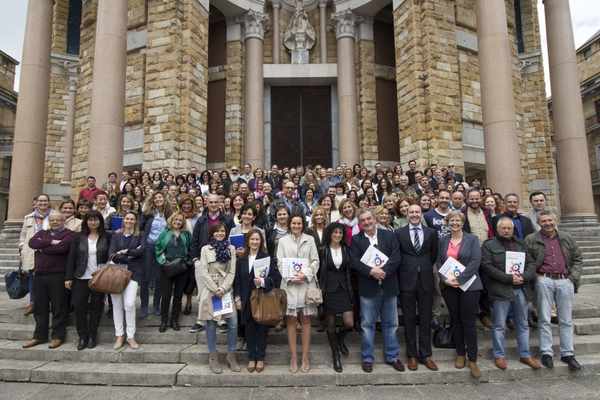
(499, 312)
(561, 293)
(211, 334)
(386, 309)
(151, 277)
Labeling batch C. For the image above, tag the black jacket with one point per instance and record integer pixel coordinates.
(78, 255)
(318, 241)
(331, 278)
(388, 245)
(416, 266)
(134, 259)
(244, 283)
(200, 236)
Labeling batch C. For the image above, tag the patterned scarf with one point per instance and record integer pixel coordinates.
(40, 219)
(222, 249)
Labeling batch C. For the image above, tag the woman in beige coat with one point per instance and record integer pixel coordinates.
(298, 245)
(32, 224)
(215, 272)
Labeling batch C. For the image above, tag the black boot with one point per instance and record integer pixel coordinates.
(92, 342)
(83, 343)
(175, 315)
(163, 323)
(341, 336)
(335, 351)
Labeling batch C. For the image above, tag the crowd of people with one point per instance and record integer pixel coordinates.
(372, 241)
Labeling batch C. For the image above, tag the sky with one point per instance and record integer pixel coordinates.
(585, 13)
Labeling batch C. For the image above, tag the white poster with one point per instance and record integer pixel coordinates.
(374, 258)
(515, 262)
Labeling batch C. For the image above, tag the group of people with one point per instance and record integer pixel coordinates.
(372, 242)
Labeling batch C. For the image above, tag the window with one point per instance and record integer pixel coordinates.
(587, 52)
(519, 27)
(74, 27)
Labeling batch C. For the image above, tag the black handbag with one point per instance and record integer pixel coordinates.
(443, 338)
(17, 283)
(174, 267)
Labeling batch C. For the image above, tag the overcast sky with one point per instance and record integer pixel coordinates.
(586, 21)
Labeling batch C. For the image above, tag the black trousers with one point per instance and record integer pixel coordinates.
(50, 296)
(190, 281)
(256, 339)
(463, 308)
(171, 287)
(88, 306)
(410, 302)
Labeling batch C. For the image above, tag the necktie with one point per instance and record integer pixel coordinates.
(416, 239)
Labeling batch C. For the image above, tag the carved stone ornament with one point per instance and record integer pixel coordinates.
(255, 23)
(345, 24)
(299, 36)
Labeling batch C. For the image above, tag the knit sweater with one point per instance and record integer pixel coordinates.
(51, 258)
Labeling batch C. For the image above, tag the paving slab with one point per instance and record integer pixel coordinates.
(18, 370)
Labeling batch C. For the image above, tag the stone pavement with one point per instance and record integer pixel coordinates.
(584, 388)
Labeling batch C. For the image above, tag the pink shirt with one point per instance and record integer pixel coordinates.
(453, 250)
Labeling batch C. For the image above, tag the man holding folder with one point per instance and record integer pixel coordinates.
(375, 257)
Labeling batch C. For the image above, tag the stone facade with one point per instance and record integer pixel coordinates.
(8, 109)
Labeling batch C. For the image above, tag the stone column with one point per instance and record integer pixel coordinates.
(105, 152)
(253, 39)
(575, 183)
(502, 154)
(29, 148)
(348, 127)
(70, 127)
(276, 40)
(323, 30)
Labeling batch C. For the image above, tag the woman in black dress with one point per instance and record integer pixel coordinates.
(334, 278)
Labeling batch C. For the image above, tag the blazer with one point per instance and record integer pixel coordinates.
(417, 266)
(330, 278)
(313, 232)
(469, 255)
(134, 259)
(78, 255)
(388, 245)
(243, 283)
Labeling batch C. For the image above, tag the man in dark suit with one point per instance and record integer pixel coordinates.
(418, 249)
(378, 291)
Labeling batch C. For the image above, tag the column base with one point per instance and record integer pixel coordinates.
(580, 225)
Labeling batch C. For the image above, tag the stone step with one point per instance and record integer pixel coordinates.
(591, 262)
(199, 375)
(587, 326)
(590, 279)
(591, 270)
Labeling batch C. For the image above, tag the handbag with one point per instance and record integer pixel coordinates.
(174, 267)
(110, 279)
(16, 283)
(268, 308)
(443, 337)
(314, 296)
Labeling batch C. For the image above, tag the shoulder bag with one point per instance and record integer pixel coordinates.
(110, 278)
(268, 308)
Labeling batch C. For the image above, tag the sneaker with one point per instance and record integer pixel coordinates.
(547, 361)
(196, 328)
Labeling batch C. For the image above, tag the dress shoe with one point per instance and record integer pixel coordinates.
(547, 361)
(162, 327)
(260, 366)
(28, 310)
(571, 362)
(175, 325)
(412, 363)
(501, 363)
(459, 363)
(397, 365)
(532, 362)
(32, 343)
(82, 344)
(92, 342)
(475, 371)
(486, 321)
(118, 342)
(430, 364)
(55, 343)
(251, 366)
(367, 367)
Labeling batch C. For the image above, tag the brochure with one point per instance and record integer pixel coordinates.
(452, 268)
(261, 267)
(222, 305)
(515, 262)
(374, 258)
(237, 241)
(292, 266)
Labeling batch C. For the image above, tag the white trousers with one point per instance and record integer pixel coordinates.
(125, 302)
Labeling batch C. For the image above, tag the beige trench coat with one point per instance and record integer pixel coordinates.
(27, 232)
(211, 275)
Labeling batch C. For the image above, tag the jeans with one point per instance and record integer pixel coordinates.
(125, 303)
(211, 334)
(499, 312)
(151, 276)
(384, 308)
(561, 293)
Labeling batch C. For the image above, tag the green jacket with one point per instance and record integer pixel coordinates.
(163, 241)
(498, 283)
(573, 257)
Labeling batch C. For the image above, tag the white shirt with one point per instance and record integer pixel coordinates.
(92, 265)
(336, 256)
(251, 259)
(372, 239)
(420, 233)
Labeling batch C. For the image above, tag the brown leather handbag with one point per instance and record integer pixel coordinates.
(110, 279)
(268, 308)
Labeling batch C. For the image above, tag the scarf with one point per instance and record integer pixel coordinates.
(222, 249)
(40, 220)
(351, 224)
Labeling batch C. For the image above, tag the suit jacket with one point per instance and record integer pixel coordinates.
(330, 278)
(469, 255)
(367, 285)
(244, 282)
(416, 266)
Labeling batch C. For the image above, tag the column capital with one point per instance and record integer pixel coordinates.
(323, 3)
(276, 4)
(255, 23)
(345, 23)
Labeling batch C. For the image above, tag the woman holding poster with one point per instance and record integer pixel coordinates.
(254, 269)
(459, 289)
(298, 262)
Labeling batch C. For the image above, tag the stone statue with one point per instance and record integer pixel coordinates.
(300, 36)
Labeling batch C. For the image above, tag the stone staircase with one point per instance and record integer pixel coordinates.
(9, 250)
(586, 232)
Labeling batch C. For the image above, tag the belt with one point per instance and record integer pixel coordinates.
(554, 275)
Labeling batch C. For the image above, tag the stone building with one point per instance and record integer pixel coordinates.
(8, 110)
(212, 83)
